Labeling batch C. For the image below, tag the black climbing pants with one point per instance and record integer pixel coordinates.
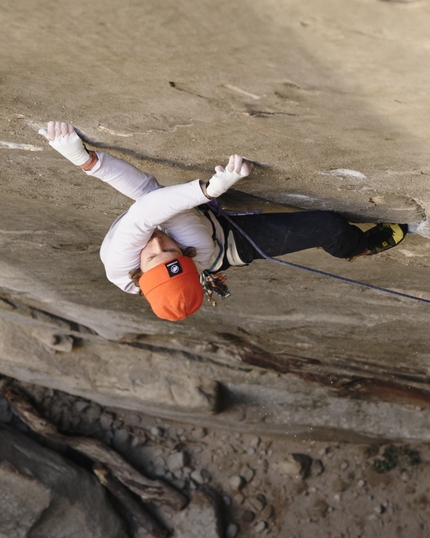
(282, 233)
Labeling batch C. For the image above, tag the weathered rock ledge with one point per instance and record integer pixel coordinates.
(229, 383)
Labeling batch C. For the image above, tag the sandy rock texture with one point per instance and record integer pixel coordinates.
(330, 100)
(246, 485)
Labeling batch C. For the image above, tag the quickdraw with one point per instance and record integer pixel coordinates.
(215, 283)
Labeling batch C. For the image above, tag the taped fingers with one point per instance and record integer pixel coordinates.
(51, 130)
(66, 129)
(230, 164)
(238, 159)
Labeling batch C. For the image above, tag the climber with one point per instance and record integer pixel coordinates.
(170, 242)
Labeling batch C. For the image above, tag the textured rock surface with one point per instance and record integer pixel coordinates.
(331, 99)
(198, 519)
(374, 490)
(22, 501)
(224, 390)
(42, 494)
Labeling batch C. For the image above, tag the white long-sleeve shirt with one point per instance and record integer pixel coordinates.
(170, 209)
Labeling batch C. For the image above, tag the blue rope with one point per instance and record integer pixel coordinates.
(216, 207)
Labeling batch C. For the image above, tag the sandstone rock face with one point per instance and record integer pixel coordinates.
(42, 494)
(330, 101)
(224, 390)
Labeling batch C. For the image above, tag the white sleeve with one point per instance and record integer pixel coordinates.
(121, 251)
(123, 176)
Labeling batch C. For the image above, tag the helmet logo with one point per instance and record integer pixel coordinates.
(174, 268)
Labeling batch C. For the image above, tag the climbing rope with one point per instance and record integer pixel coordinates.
(216, 207)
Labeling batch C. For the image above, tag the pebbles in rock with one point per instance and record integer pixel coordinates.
(178, 474)
(317, 468)
(206, 475)
(305, 463)
(231, 531)
(133, 419)
(339, 485)
(136, 441)
(176, 461)
(257, 502)
(196, 476)
(120, 438)
(156, 431)
(261, 526)
(247, 473)
(107, 420)
(187, 471)
(239, 498)
(92, 413)
(268, 512)
(249, 441)
(320, 508)
(236, 482)
(80, 406)
(379, 509)
(248, 516)
(199, 433)
(290, 467)
(198, 519)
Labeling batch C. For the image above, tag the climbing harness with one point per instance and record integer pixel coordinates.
(215, 206)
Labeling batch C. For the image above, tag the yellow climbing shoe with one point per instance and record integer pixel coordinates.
(383, 237)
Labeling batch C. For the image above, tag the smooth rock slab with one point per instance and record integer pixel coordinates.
(58, 499)
(108, 372)
(198, 519)
(22, 501)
